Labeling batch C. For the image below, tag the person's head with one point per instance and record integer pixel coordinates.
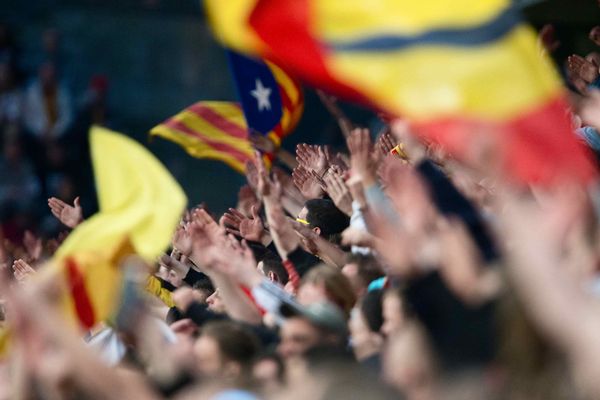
(408, 363)
(225, 350)
(307, 327)
(203, 289)
(324, 218)
(362, 270)
(271, 267)
(327, 283)
(215, 303)
(395, 311)
(365, 325)
(268, 372)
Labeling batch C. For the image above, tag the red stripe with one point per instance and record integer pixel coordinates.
(284, 25)
(278, 130)
(539, 147)
(222, 147)
(81, 300)
(218, 120)
(285, 100)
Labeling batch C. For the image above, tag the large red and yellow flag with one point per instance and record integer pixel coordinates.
(456, 68)
(140, 207)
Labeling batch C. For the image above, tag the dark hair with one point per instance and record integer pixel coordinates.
(235, 342)
(322, 213)
(369, 268)
(272, 263)
(371, 309)
(204, 284)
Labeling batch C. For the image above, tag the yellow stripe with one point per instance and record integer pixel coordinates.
(197, 148)
(203, 127)
(285, 120)
(288, 84)
(335, 19)
(229, 111)
(498, 82)
(229, 20)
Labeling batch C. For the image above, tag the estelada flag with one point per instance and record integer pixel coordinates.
(456, 68)
(271, 104)
(271, 100)
(140, 205)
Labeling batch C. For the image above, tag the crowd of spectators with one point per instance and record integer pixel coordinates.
(385, 270)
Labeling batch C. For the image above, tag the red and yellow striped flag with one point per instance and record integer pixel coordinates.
(210, 129)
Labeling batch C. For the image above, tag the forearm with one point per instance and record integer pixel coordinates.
(287, 158)
(330, 253)
(237, 304)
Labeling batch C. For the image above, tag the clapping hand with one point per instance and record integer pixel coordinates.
(251, 229)
(69, 215)
(307, 184)
(22, 270)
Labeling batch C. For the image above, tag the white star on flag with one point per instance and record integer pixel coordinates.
(261, 94)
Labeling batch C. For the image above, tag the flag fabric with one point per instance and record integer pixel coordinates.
(271, 104)
(140, 206)
(271, 100)
(457, 69)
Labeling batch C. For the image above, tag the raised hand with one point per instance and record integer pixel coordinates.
(306, 183)
(312, 158)
(262, 142)
(182, 240)
(385, 143)
(547, 38)
(33, 245)
(413, 149)
(251, 229)
(69, 215)
(362, 163)
(22, 270)
(583, 68)
(339, 192)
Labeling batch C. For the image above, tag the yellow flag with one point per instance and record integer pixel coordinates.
(140, 207)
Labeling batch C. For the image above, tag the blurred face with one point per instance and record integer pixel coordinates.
(215, 303)
(302, 215)
(266, 373)
(350, 270)
(361, 334)
(310, 293)
(297, 336)
(209, 361)
(406, 363)
(393, 315)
